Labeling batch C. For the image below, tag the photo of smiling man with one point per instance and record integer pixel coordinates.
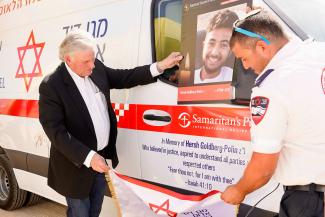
(216, 50)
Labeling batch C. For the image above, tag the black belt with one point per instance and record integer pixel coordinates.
(310, 187)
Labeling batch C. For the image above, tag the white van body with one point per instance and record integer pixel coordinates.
(30, 32)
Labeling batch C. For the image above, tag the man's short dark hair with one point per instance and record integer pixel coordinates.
(261, 23)
(223, 19)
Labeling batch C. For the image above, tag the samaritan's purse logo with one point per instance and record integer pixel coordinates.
(28, 73)
(184, 120)
(259, 106)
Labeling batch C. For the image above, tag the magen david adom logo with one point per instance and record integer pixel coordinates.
(29, 60)
(184, 120)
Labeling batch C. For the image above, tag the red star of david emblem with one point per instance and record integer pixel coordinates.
(30, 46)
(164, 208)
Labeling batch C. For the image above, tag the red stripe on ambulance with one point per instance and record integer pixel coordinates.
(19, 107)
(225, 123)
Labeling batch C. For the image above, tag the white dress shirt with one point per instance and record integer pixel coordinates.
(291, 120)
(97, 108)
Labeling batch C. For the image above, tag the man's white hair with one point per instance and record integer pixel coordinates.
(76, 40)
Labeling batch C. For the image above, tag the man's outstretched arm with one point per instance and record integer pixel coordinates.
(257, 173)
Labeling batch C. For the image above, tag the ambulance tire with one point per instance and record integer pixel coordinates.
(11, 196)
(32, 199)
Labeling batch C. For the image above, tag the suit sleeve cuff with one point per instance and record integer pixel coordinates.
(154, 70)
(88, 158)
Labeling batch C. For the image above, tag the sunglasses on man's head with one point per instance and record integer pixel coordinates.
(247, 32)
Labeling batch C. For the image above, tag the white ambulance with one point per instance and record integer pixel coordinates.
(187, 147)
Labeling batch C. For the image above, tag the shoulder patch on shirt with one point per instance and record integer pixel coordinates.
(259, 106)
(323, 80)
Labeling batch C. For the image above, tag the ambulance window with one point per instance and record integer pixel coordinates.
(167, 15)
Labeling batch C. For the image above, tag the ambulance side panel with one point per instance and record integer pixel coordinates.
(30, 36)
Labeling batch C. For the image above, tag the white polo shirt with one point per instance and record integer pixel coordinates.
(225, 75)
(288, 113)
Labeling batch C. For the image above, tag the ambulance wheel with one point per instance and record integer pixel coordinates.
(11, 197)
(32, 199)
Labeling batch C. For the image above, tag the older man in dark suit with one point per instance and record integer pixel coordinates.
(77, 116)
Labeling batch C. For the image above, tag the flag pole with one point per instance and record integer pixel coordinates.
(113, 193)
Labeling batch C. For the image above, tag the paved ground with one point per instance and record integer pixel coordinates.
(45, 208)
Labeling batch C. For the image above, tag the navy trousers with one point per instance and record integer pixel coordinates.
(92, 205)
(296, 203)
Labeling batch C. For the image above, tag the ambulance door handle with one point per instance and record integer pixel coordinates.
(156, 118)
(151, 117)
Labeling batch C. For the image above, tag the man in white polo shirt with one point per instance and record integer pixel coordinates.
(287, 105)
